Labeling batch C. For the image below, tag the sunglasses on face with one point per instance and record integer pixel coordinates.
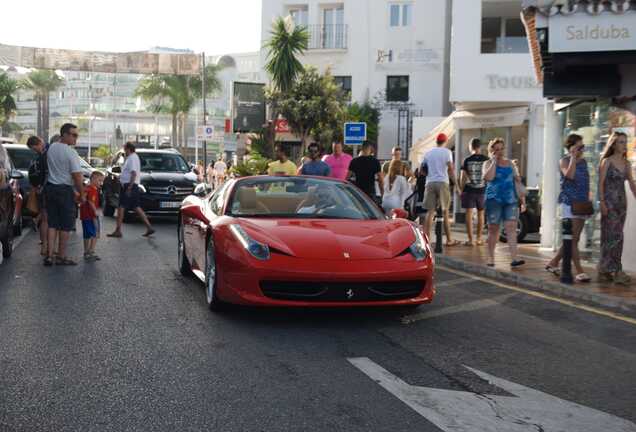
(313, 150)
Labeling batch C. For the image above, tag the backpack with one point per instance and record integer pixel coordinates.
(38, 171)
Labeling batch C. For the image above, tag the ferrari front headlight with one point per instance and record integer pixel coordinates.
(419, 248)
(258, 250)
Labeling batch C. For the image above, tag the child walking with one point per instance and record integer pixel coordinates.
(89, 214)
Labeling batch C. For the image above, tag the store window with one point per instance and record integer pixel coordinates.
(344, 82)
(400, 14)
(502, 31)
(299, 15)
(595, 121)
(397, 88)
(333, 27)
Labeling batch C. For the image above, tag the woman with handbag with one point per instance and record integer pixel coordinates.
(503, 200)
(574, 202)
(614, 171)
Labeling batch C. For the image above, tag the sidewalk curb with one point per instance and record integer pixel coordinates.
(625, 306)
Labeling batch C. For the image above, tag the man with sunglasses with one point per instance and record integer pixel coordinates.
(63, 184)
(314, 167)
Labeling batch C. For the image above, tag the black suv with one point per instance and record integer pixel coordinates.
(166, 179)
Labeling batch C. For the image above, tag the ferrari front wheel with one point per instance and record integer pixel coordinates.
(211, 278)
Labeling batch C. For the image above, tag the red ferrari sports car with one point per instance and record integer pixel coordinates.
(301, 241)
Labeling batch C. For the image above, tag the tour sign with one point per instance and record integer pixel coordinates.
(355, 133)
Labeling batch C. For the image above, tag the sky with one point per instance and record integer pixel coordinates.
(213, 26)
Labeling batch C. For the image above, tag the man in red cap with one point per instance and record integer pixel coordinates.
(439, 162)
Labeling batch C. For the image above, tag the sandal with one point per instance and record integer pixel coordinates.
(468, 243)
(48, 261)
(115, 234)
(65, 261)
(480, 243)
(451, 244)
(517, 263)
(554, 270)
(582, 277)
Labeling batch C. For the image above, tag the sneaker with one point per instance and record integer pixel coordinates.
(605, 278)
(517, 263)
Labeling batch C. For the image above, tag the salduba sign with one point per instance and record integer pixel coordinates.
(581, 32)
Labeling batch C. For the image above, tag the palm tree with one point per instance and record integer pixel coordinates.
(8, 87)
(286, 43)
(177, 95)
(42, 83)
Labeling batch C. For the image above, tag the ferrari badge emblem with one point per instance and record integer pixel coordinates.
(349, 294)
(346, 255)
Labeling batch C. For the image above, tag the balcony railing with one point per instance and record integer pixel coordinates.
(328, 36)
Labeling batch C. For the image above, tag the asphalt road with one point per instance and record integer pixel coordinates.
(128, 344)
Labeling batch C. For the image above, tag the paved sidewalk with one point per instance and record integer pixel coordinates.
(533, 276)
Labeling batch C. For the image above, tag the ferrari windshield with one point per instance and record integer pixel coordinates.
(300, 197)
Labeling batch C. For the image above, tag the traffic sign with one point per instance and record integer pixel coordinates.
(355, 133)
(205, 132)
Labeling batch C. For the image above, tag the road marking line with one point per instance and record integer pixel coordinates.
(527, 410)
(466, 307)
(452, 282)
(20, 239)
(570, 303)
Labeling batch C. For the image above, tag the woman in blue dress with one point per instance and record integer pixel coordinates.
(502, 200)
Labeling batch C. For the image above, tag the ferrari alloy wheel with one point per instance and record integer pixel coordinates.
(210, 277)
(184, 265)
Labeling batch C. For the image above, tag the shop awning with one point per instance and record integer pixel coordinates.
(489, 118)
(468, 119)
(424, 144)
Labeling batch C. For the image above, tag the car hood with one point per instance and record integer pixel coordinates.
(322, 239)
(170, 177)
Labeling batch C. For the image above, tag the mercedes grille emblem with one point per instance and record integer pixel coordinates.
(172, 189)
(349, 294)
(346, 255)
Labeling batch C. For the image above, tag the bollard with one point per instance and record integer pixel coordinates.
(566, 263)
(438, 230)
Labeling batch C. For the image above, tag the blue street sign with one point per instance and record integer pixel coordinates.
(355, 133)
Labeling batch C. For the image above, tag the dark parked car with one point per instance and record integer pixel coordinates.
(10, 202)
(530, 220)
(166, 180)
(21, 157)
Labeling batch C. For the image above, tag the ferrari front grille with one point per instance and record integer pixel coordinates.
(341, 291)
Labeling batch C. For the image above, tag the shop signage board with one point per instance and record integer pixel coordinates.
(248, 106)
(582, 32)
(355, 133)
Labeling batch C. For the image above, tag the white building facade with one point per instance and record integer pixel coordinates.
(395, 53)
(493, 86)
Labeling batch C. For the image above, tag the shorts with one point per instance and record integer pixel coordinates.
(132, 200)
(61, 208)
(497, 212)
(89, 228)
(437, 194)
(566, 213)
(472, 200)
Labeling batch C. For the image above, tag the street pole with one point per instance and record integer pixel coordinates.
(196, 138)
(205, 111)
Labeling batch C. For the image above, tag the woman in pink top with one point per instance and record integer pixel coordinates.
(338, 161)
